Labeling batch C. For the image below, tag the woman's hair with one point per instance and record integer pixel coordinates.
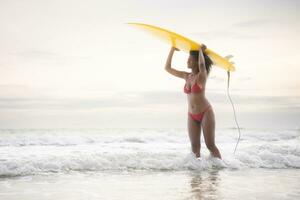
(208, 61)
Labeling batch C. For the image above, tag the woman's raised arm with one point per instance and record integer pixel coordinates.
(168, 66)
(201, 61)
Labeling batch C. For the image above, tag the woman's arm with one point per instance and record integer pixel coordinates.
(168, 68)
(201, 61)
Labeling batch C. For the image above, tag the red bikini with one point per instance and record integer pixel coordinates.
(199, 116)
(196, 89)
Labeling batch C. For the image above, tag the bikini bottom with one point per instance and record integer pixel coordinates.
(198, 117)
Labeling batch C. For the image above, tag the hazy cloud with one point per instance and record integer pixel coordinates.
(253, 23)
(222, 79)
(225, 33)
(143, 109)
(233, 32)
(143, 99)
(43, 55)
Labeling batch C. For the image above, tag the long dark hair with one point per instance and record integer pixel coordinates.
(208, 61)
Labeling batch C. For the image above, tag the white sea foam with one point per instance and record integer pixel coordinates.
(24, 152)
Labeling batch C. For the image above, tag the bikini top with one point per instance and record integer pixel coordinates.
(196, 88)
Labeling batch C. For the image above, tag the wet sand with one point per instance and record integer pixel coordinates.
(211, 184)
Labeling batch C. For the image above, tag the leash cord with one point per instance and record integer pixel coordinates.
(228, 75)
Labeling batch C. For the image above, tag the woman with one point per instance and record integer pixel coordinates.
(200, 112)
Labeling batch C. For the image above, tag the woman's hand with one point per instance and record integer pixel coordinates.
(203, 47)
(174, 49)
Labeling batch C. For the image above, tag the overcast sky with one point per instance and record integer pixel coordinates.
(76, 64)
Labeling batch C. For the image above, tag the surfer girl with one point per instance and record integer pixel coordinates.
(200, 112)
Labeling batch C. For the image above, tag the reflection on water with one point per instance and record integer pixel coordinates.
(204, 185)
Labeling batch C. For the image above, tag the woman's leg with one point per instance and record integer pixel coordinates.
(208, 125)
(194, 129)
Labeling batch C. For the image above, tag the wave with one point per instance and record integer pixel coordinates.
(37, 152)
(266, 157)
(69, 138)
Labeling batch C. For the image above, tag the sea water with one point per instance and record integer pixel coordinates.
(147, 164)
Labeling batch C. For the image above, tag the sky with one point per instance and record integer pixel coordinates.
(77, 64)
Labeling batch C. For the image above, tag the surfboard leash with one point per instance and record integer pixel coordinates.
(228, 79)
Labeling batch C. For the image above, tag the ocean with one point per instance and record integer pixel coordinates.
(143, 163)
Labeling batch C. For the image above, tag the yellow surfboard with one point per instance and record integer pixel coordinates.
(185, 44)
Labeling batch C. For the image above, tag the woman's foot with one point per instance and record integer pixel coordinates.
(216, 153)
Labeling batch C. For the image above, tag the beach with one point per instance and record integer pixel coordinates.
(147, 164)
(209, 184)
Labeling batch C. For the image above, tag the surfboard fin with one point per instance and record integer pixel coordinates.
(228, 57)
